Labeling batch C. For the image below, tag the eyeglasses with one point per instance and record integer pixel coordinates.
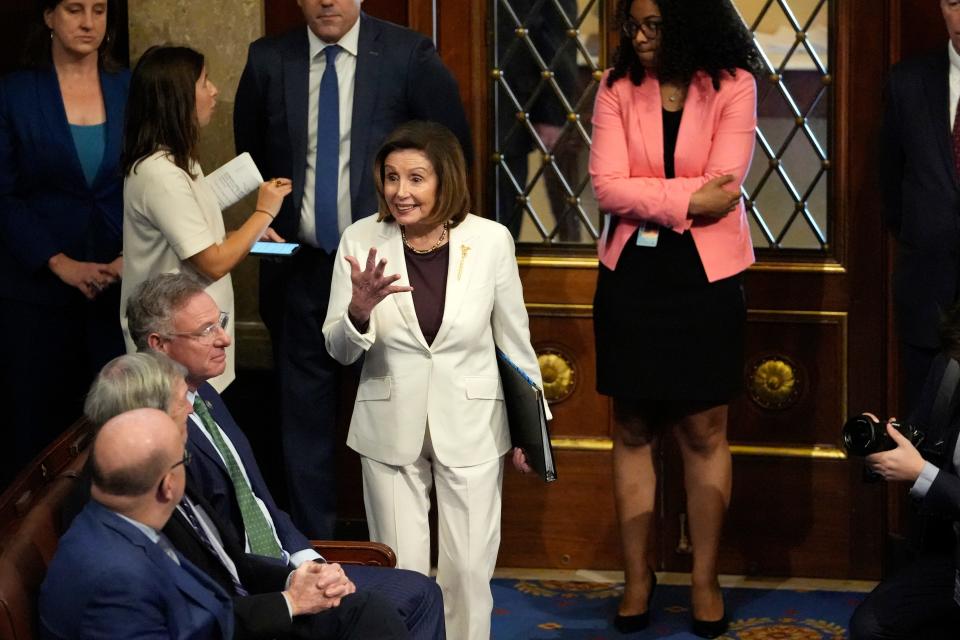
(187, 457)
(209, 333)
(649, 27)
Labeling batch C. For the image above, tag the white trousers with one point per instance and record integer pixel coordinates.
(397, 501)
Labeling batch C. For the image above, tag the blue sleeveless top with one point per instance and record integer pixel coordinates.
(89, 141)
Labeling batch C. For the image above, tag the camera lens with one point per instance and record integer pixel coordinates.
(860, 436)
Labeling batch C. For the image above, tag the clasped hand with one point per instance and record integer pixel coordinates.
(89, 277)
(712, 200)
(315, 587)
(904, 463)
(370, 286)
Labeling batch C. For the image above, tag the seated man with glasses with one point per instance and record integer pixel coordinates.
(172, 314)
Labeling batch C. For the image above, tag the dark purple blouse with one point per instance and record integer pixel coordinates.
(428, 277)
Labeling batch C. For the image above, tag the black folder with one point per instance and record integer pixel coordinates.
(525, 413)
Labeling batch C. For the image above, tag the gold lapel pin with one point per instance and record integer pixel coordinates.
(464, 250)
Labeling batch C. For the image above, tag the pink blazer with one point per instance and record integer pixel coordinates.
(626, 164)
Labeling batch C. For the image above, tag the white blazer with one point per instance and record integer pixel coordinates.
(453, 384)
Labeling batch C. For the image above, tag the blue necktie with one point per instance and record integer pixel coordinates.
(328, 156)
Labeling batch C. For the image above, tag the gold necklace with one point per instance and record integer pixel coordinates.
(443, 235)
(676, 94)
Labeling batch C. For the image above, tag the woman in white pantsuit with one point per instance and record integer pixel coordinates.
(429, 408)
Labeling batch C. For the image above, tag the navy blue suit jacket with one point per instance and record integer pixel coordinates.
(46, 206)
(399, 78)
(921, 192)
(108, 580)
(942, 499)
(209, 477)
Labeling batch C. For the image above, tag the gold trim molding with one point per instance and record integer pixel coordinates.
(584, 262)
(562, 310)
(816, 452)
(558, 262)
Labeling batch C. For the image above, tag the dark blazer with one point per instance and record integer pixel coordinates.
(209, 476)
(46, 206)
(263, 613)
(399, 78)
(942, 499)
(108, 580)
(921, 194)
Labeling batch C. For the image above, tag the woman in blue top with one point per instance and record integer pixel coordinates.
(61, 209)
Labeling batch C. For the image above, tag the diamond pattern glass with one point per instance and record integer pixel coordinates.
(546, 63)
(547, 59)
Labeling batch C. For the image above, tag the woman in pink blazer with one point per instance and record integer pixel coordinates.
(673, 135)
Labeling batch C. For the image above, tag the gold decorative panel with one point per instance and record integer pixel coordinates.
(559, 374)
(774, 382)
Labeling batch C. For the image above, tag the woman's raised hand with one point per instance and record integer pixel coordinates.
(271, 195)
(370, 286)
(712, 200)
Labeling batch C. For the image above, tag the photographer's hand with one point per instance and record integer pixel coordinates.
(903, 463)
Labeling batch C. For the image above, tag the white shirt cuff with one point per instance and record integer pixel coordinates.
(286, 598)
(927, 475)
(304, 555)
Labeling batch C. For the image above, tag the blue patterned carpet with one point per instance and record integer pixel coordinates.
(549, 610)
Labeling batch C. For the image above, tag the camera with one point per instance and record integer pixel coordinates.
(863, 435)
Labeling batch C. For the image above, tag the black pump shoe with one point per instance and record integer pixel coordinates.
(639, 622)
(710, 628)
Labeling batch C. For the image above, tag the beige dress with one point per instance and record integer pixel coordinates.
(167, 218)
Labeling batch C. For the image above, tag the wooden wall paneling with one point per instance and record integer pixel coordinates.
(815, 346)
(420, 17)
(585, 413)
(569, 523)
(391, 10)
(799, 525)
(918, 27)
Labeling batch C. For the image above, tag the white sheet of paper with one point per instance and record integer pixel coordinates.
(234, 180)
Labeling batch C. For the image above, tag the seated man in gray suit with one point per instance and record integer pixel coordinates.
(173, 315)
(270, 601)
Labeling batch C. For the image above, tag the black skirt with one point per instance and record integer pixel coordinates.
(663, 332)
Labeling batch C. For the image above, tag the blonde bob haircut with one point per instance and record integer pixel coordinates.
(443, 151)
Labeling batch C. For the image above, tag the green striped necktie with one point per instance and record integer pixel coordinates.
(259, 533)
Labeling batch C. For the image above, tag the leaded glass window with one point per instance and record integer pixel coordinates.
(547, 58)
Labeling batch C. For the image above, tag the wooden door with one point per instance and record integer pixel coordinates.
(817, 297)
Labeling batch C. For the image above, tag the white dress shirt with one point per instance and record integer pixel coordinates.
(346, 65)
(954, 81)
(295, 559)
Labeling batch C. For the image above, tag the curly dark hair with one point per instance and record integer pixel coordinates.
(696, 35)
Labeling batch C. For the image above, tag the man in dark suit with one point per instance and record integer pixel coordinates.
(114, 575)
(321, 123)
(172, 314)
(923, 599)
(920, 156)
(270, 601)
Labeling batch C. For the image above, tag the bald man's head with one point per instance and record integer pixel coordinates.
(134, 451)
